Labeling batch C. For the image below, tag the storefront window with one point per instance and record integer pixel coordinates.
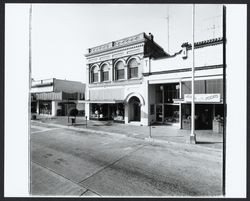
(118, 112)
(159, 94)
(99, 111)
(107, 111)
(45, 107)
(171, 113)
(171, 91)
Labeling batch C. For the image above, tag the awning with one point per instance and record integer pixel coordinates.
(56, 96)
(101, 101)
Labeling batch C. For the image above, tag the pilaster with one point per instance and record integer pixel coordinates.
(126, 72)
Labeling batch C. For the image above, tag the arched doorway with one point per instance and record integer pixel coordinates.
(134, 109)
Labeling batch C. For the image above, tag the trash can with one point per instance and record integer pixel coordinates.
(33, 117)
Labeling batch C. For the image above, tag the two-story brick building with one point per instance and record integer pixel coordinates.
(133, 80)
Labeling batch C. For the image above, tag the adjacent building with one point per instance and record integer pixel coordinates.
(55, 97)
(134, 81)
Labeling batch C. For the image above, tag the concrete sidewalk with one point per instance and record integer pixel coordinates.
(162, 133)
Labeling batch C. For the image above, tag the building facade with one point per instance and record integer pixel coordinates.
(170, 86)
(133, 80)
(55, 97)
(116, 89)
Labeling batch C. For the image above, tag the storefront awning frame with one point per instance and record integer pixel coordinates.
(102, 101)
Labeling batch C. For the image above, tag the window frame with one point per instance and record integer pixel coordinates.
(119, 69)
(132, 68)
(103, 72)
(94, 77)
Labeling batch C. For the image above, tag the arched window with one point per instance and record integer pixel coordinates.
(105, 73)
(132, 68)
(119, 70)
(94, 74)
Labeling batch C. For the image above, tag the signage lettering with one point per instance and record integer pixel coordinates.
(202, 97)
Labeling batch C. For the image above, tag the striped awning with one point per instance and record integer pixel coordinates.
(57, 96)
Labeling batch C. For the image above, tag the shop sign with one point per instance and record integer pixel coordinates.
(202, 98)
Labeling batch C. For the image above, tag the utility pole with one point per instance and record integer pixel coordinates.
(30, 51)
(192, 134)
(30, 81)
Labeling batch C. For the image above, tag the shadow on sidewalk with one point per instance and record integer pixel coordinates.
(204, 142)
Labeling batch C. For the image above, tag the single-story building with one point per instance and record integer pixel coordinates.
(55, 97)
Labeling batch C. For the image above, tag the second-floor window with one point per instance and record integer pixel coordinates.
(105, 72)
(94, 74)
(132, 68)
(119, 71)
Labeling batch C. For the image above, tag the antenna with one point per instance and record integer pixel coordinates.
(167, 26)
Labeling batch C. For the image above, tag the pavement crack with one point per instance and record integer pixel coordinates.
(117, 160)
(84, 192)
(77, 183)
(58, 174)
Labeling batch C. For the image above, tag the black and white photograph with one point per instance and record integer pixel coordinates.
(127, 100)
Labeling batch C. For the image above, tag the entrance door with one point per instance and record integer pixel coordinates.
(204, 114)
(159, 113)
(134, 109)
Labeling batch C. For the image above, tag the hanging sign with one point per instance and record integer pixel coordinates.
(202, 98)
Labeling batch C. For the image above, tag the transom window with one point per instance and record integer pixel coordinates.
(119, 71)
(94, 74)
(132, 68)
(105, 72)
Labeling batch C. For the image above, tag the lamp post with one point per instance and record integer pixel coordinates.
(192, 134)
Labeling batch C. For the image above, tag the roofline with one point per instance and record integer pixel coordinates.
(197, 45)
(112, 47)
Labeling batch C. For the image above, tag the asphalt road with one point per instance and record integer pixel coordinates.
(76, 163)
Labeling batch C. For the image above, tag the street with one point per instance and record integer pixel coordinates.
(78, 163)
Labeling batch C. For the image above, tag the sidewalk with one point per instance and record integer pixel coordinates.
(165, 133)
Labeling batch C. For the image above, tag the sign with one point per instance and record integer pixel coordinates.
(207, 98)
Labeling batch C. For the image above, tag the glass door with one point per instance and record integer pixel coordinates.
(159, 113)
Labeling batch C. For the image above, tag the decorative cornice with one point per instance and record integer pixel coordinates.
(204, 43)
(99, 54)
(140, 39)
(116, 44)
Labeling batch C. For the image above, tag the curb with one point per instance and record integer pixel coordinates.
(82, 129)
(147, 139)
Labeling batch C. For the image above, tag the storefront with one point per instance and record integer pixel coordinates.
(106, 111)
(209, 112)
(167, 111)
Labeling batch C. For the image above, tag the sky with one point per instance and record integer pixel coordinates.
(62, 33)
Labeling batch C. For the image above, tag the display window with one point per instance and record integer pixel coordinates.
(171, 113)
(45, 107)
(107, 111)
